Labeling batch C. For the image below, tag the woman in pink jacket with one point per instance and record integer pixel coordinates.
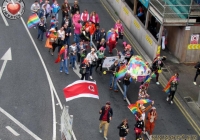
(119, 27)
(76, 17)
(94, 17)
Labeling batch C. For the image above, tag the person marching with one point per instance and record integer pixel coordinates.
(73, 51)
(84, 17)
(197, 66)
(150, 121)
(100, 54)
(50, 42)
(105, 118)
(157, 65)
(139, 127)
(85, 69)
(113, 79)
(128, 52)
(55, 9)
(92, 57)
(64, 60)
(112, 40)
(126, 83)
(175, 76)
(123, 129)
(120, 29)
(173, 88)
(65, 9)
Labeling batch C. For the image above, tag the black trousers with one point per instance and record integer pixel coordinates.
(195, 78)
(86, 76)
(171, 95)
(99, 62)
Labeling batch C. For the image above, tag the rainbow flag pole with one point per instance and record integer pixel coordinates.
(33, 20)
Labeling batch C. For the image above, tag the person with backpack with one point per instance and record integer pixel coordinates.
(123, 129)
(197, 67)
(106, 114)
(173, 88)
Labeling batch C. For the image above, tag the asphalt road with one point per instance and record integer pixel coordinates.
(25, 92)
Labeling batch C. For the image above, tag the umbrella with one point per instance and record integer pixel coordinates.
(138, 68)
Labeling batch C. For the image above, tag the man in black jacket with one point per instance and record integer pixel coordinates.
(197, 66)
(105, 118)
(113, 80)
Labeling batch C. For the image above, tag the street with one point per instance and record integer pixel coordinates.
(31, 90)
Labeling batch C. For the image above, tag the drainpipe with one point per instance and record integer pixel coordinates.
(135, 7)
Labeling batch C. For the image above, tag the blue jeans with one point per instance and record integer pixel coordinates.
(125, 90)
(72, 60)
(67, 41)
(76, 38)
(91, 68)
(63, 64)
(113, 81)
(40, 34)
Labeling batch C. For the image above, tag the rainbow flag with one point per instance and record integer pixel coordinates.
(122, 71)
(133, 108)
(143, 101)
(33, 20)
(167, 89)
(62, 50)
(58, 59)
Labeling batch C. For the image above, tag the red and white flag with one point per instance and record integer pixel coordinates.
(79, 89)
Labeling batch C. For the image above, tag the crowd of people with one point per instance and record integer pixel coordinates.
(84, 29)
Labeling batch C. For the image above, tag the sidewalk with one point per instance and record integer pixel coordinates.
(187, 93)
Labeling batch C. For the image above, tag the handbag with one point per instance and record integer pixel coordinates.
(52, 40)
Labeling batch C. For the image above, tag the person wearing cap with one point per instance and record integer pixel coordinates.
(105, 118)
(92, 57)
(84, 69)
(100, 54)
(51, 40)
(64, 60)
(150, 121)
(126, 83)
(157, 66)
(113, 79)
(128, 52)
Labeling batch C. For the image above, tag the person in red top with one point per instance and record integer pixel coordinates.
(91, 27)
(112, 40)
(105, 118)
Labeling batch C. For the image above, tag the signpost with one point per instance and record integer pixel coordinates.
(66, 124)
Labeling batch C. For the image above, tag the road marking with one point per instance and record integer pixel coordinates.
(19, 124)
(77, 70)
(3, 17)
(182, 109)
(12, 131)
(7, 56)
(51, 85)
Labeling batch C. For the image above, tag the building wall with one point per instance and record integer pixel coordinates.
(178, 40)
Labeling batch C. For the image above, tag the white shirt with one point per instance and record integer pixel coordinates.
(91, 57)
(61, 34)
(34, 7)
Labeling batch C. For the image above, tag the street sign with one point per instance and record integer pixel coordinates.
(194, 39)
(66, 124)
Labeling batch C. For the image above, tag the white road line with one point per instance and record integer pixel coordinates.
(3, 17)
(77, 70)
(19, 124)
(48, 78)
(12, 131)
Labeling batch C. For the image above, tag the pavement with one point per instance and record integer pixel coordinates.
(27, 96)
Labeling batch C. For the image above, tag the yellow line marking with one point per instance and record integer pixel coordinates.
(184, 112)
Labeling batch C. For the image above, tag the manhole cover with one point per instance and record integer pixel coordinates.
(188, 99)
